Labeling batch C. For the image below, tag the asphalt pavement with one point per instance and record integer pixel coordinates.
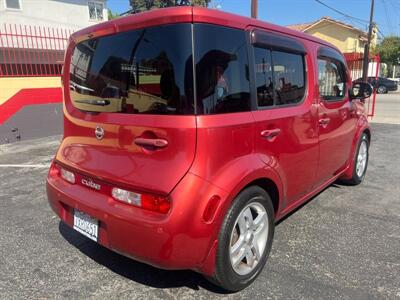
(343, 244)
(387, 108)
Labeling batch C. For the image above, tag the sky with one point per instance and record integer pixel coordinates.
(285, 12)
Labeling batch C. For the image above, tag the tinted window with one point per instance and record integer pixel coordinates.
(221, 70)
(264, 77)
(289, 77)
(280, 77)
(331, 79)
(143, 71)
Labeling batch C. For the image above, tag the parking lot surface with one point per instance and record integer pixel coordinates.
(343, 244)
(387, 108)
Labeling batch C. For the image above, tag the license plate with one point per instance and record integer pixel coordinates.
(86, 225)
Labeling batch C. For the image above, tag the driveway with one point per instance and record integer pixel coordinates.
(343, 244)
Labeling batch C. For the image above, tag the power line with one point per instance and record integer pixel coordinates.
(379, 31)
(395, 10)
(340, 12)
(357, 20)
(388, 19)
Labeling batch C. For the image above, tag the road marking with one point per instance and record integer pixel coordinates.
(26, 166)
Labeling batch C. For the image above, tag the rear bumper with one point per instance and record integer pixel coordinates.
(179, 240)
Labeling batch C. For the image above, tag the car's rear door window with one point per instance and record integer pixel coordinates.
(146, 71)
(289, 74)
(264, 77)
(280, 77)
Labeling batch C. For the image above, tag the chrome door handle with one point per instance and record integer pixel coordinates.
(270, 134)
(158, 143)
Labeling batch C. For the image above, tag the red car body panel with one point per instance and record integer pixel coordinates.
(221, 154)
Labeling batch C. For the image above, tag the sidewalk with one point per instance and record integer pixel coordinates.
(387, 108)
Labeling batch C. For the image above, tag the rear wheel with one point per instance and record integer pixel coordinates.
(382, 89)
(245, 239)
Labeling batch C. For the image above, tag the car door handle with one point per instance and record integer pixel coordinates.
(270, 134)
(146, 142)
(324, 121)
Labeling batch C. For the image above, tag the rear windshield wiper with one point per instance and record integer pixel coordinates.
(98, 102)
(84, 88)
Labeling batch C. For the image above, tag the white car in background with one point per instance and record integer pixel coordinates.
(397, 79)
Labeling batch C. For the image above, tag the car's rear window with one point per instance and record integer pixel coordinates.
(146, 71)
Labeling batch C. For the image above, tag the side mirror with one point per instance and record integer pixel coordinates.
(361, 90)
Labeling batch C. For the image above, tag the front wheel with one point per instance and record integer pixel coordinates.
(382, 89)
(360, 162)
(245, 240)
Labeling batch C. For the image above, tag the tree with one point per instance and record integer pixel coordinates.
(112, 15)
(389, 50)
(142, 5)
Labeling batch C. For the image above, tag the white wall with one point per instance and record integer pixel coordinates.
(68, 14)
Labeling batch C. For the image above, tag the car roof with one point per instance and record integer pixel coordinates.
(190, 14)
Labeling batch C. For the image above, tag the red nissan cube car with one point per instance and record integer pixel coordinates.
(189, 132)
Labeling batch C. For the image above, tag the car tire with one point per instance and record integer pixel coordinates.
(244, 240)
(382, 89)
(360, 161)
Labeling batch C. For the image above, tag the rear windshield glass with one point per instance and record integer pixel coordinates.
(146, 71)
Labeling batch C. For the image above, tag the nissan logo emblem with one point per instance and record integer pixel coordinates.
(99, 132)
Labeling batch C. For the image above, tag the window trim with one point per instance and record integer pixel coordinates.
(249, 56)
(13, 9)
(330, 53)
(70, 62)
(253, 71)
(102, 5)
(340, 62)
(260, 38)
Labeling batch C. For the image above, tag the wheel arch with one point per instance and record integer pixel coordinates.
(367, 131)
(270, 187)
(264, 177)
(362, 127)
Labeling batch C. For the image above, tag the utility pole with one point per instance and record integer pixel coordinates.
(367, 46)
(254, 9)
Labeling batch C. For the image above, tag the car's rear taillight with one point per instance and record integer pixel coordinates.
(146, 201)
(127, 196)
(150, 202)
(54, 170)
(67, 175)
(57, 171)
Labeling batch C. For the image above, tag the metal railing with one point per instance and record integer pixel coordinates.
(355, 65)
(27, 50)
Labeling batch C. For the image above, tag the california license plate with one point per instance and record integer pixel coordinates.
(86, 225)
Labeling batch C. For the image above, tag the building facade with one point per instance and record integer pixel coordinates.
(66, 14)
(347, 38)
(33, 38)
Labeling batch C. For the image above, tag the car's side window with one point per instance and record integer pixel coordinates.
(280, 77)
(222, 70)
(289, 77)
(331, 79)
(264, 77)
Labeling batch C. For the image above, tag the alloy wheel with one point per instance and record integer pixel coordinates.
(362, 158)
(249, 238)
(381, 89)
